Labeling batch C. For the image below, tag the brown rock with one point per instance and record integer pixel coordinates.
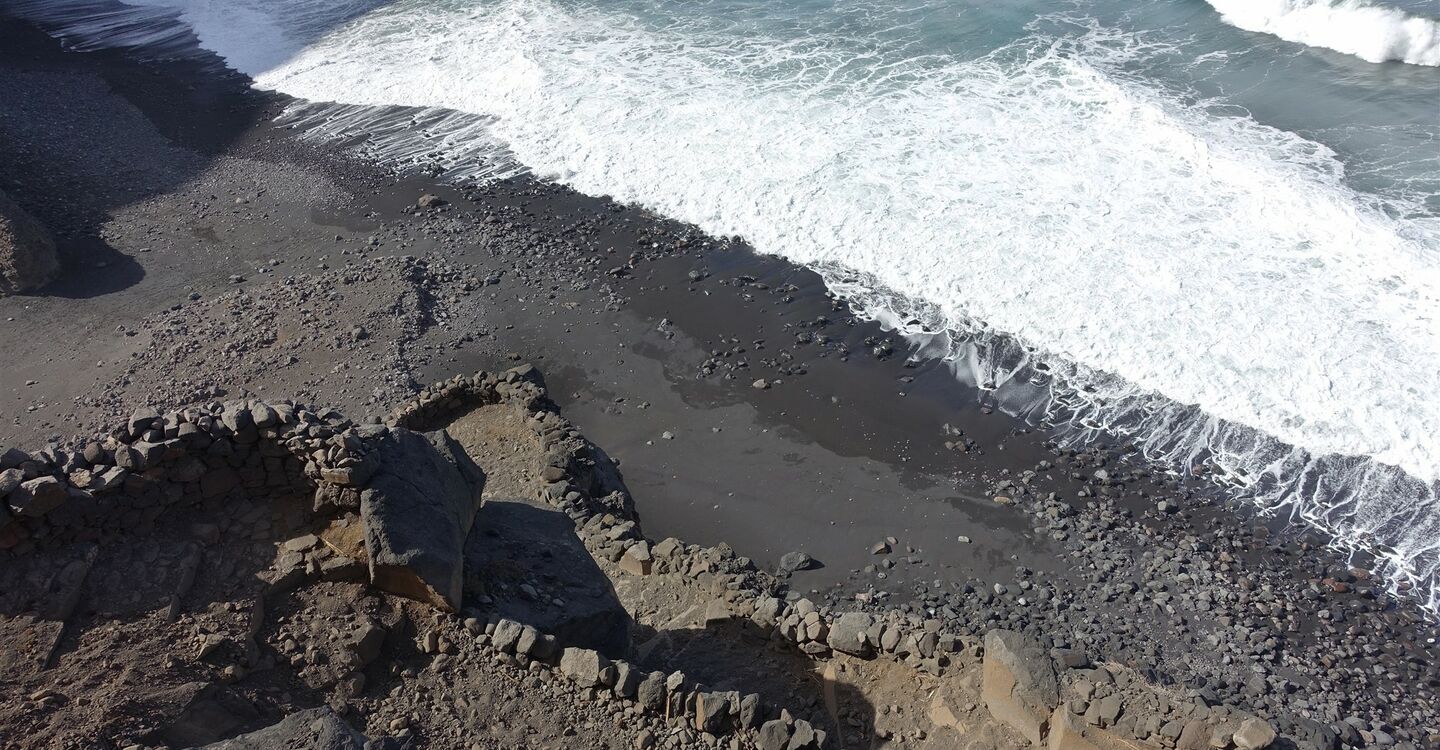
(1018, 683)
(1254, 734)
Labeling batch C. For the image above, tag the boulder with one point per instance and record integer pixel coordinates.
(793, 561)
(507, 635)
(847, 634)
(27, 251)
(583, 666)
(367, 642)
(1018, 683)
(651, 691)
(803, 736)
(526, 642)
(315, 729)
(637, 559)
(9, 480)
(627, 679)
(773, 735)
(1254, 734)
(38, 496)
(417, 512)
(712, 712)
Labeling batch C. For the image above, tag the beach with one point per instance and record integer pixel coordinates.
(211, 253)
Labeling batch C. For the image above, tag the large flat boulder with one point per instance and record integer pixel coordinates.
(1018, 683)
(316, 729)
(417, 512)
(27, 251)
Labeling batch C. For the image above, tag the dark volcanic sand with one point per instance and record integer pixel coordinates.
(171, 177)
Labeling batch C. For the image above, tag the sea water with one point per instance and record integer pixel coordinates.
(1209, 226)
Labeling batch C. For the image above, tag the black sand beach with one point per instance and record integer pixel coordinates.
(209, 253)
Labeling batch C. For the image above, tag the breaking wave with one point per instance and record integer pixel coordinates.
(1356, 27)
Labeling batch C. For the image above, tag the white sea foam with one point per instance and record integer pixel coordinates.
(1356, 27)
(1206, 285)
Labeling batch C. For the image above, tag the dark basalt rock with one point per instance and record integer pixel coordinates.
(417, 512)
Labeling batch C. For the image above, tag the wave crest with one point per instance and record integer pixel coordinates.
(1370, 32)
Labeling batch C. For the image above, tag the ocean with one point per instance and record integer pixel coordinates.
(1210, 227)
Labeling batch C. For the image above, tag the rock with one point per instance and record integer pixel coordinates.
(219, 482)
(27, 251)
(1018, 683)
(651, 692)
(315, 729)
(637, 559)
(367, 642)
(767, 611)
(141, 420)
(348, 476)
(417, 513)
(1105, 711)
(583, 666)
(1068, 733)
(750, 711)
(803, 736)
(712, 712)
(774, 735)
(507, 635)
(108, 479)
(429, 201)
(12, 458)
(793, 561)
(37, 497)
(1254, 734)
(847, 634)
(627, 679)
(9, 480)
(529, 639)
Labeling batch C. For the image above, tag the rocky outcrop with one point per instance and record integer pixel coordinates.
(1018, 684)
(417, 512)
(27, 251)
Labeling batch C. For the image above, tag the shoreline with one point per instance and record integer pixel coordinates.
(559, 301)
